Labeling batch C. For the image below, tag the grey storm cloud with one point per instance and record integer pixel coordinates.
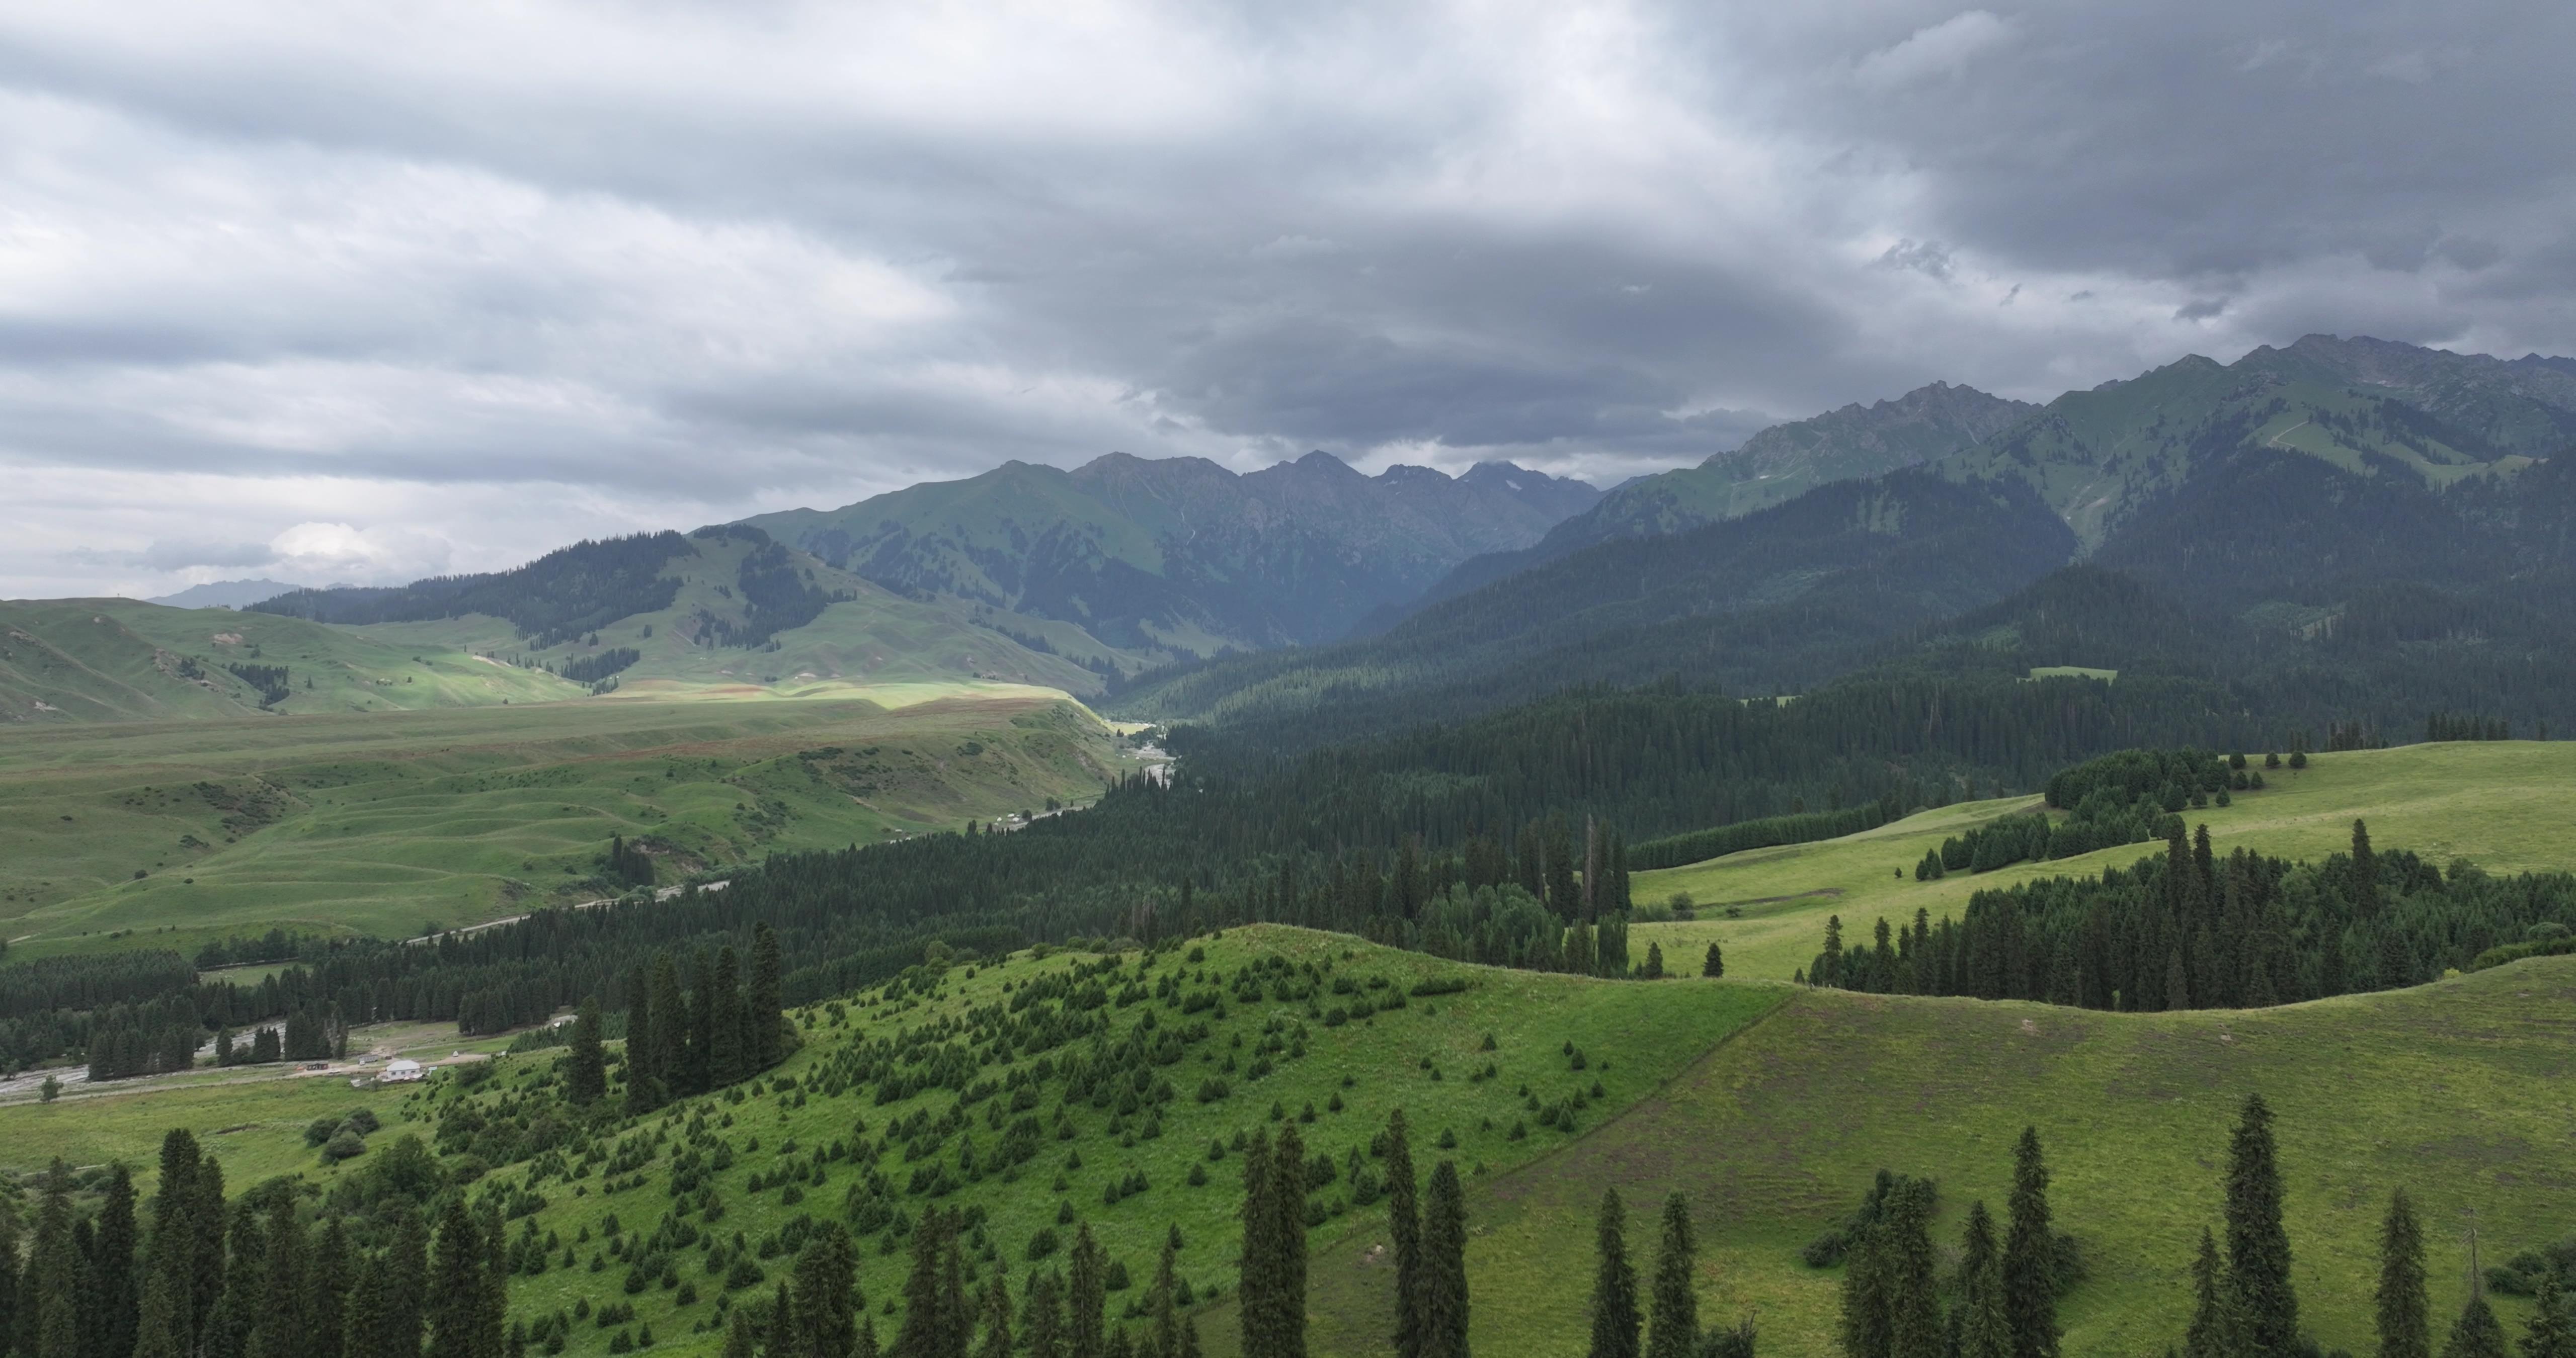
(395, 287)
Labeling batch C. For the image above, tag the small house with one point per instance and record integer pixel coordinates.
(404, 1069)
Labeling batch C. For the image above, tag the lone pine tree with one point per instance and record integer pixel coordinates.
(2029, 1261)
(2264, 1306)
(1614, 1284)
(1444, 1266)
(2404, 1317)
(1673, 1331)
(1404, 1230)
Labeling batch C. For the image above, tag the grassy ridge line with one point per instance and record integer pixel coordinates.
(2453, 1090)
(2500, 803)
(99, 660)
(380, 823)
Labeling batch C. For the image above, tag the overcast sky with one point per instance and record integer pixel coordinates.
(364, 291)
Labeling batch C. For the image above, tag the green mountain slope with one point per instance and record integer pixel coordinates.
(380, 823)
(1181, 555)
(89, 660)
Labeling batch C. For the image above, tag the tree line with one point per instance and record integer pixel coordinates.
(2186, 929)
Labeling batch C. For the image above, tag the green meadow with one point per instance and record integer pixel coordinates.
(2502, 804)
(387, 822)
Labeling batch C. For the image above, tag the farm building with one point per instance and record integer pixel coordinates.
(404, 1069)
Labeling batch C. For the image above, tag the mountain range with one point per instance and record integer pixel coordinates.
(2283, 504)
(1181, 555)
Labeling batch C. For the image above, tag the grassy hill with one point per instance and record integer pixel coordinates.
(2453, 1091)
(89, 660)
(384, 822)
(2501, 803)
(1770, 1105)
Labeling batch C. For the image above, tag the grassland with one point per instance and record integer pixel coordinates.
(2501, 803)
(1769, 1105)
(93, 660)
(1368, 1066)
(2456, 1091)
(386, 822)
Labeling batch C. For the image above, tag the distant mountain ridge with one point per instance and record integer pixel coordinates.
(1180, 554)
(1774, 466)
(2287, 504)
(225, 594)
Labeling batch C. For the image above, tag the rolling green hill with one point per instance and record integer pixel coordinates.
(1771, 1106)
(88, 660)
(381, 823)
(2501, 804)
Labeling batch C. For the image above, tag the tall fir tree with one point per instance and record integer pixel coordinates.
(226, 1333)
(1984, 1322)
(670, 1035)
(1288, 1242)
(1864, 1318)
(923, 1333)
(456, 1314)
(50, 1285)
(9, 1281)
(644, 1087)
(158, 1321)
(1162, 1304)
(1086, 1298)
(2213, 1332)
(1672, 1329)
(405, 1313)
(2405, 1322)
(2030, 1254)
(739, 1340)
(1259, 1265)
(996, 1340)
(1404, 1231)
(1444, 1266)
(1042, 1316)
(2261, 1301)
(328, 1282)
(826, 1288)
(956, 1309)
(726, 1062)
(765, 1008)
(208, 1228)
(1907, 1266)
(281, 1329)
(2477, 1333)
(705, 1016)
(585, 1064)
(2553, 1325)
(1614, 1284)
(113, 1286)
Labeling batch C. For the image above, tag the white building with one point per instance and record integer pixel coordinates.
(404, 1069)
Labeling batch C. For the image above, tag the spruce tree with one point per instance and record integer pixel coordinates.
(207, 1223)
(1673, 1331)
(2030, 1247)
(1614, 1284)
(1444, 1266)
(1404, 1230)
(739, 1342)
(1259, 1265)
(49, 1315)
(997, 1319)
(406, 1297)
(1714, 964)
(1161, 1304)
(1288, 1237)
(1984, 1324)
(670, 1035)
(956, 1311)
(227, 1329)
(112, 1284)
(163, 1311)
(1864, 1320)
(366, 1307)
(2261, 1301)
(643, 1081)
(2365, 873)
(705, 1016)
(1907, 1267)
(1042, 1316)
(2476, 1334)
(2212, 1333)
(9, 1281)
(327, 1287)
(1087, 1299)
(585, 1064)
(826, 1290)
(765, 1008)
(726, 1060)
(2553, 1329)
(175, 1229)
(2404, 1313)
(922, 1333)
(459, 1324)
